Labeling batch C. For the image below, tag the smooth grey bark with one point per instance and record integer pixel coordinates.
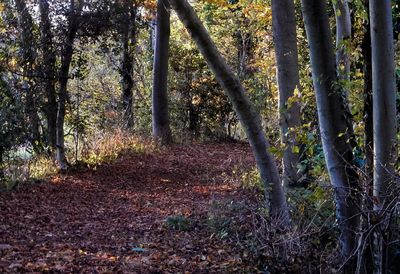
(333, 127)
(48, 71)
(29, 55)
(343, 34)
(66, 58)
(285, 40)
(248, 116)
(384, 120)
(160, 113)
(127, 81)
(384, 98)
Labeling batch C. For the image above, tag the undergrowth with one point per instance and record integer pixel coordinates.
(99, 148)
(309, 246)
(108, 146)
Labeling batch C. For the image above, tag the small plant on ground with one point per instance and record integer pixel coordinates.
(179, 222)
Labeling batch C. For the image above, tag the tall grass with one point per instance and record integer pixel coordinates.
(107, 146)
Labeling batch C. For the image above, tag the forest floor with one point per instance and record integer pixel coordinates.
(119, 217)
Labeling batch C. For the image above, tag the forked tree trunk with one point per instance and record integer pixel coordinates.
(244, 109)
(384, 119)
(285, 40)
(66, 58)
(160, 113)
(48, 71)
(333, 127)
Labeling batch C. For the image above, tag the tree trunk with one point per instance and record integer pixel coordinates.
(333, 127)
(48, 71)
(161, 128)
(246, 112)
(1, 166)
(244, 42)
(285, 40)
(28, 43)
(384, 120)
(366, 256)
(66, 58)
(368, 109)
(343, 35)
(343, 62)
(128, 44)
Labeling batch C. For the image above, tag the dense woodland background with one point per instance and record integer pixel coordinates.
(312, 85)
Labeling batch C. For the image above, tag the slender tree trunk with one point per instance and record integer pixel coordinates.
(368, 109)
(343, 62)
(244, 42)
(1, 165)
(246, 112)
(384, 120)
(343, 34)
(49, 60)
(366, 255)
(384, 98)
(333, 127)
(128, 41)
(66, 58)
(161, 128)
(28, 43)
(285, 40)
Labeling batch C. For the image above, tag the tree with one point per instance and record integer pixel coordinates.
(48, 71)
(285, 40)
(11, 120)
(368, 110)
(343, 34)
(29, 55)
(66, 57)
(343, 62)
(248, 117)
(161, 128)
(333, 126)
(384, 119)
(128, 40)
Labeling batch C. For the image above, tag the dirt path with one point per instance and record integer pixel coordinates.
(113, 219)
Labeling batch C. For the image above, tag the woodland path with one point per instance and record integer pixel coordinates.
(113, 219)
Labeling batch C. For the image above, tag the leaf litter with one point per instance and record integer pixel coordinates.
(113, 219)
